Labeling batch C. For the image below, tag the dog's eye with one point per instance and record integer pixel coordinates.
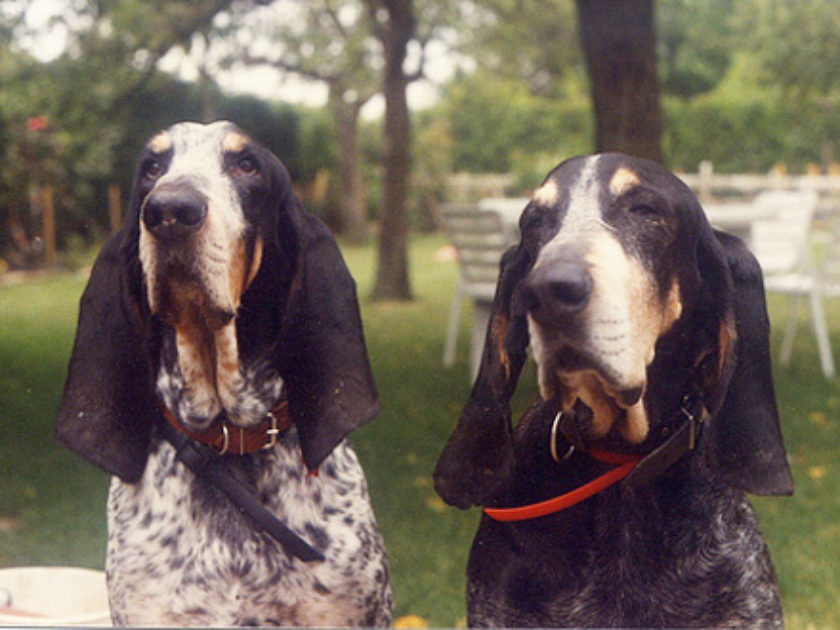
(531, 221)
(647, 210)
(246, 166)
(152, 168)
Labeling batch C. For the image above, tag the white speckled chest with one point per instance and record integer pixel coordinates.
(180, 554)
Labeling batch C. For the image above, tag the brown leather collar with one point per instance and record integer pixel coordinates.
(229, 439)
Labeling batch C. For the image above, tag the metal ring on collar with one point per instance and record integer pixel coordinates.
(553, 441)
(226, 436)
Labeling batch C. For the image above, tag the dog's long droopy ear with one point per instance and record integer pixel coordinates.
(746, 436)
(478, 457)
(107, 408)
(326, 368)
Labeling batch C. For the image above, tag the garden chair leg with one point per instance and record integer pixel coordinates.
(821, 331)
(793, 309)
(452, 328)
(481, 319)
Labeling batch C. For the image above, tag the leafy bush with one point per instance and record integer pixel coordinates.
(748, 134)
(493, 120)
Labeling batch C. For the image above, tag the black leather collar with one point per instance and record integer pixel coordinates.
(684, 431)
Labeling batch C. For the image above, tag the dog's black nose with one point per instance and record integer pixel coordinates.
(557, 289)
(172, 213)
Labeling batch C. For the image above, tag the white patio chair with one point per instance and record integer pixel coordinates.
(480, 240)
(783, 248)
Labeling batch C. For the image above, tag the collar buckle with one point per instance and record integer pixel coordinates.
(272, 432)
(693, 418)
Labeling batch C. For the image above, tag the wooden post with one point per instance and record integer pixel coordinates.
(707, 172)
(48, 208)
(114, 207)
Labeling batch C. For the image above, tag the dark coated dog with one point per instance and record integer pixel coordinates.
(619, 497)
(224, 312)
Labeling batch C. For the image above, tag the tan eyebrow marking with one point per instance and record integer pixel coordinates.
(161, 143)
(548, 194)
(623, 180)
(235, 141)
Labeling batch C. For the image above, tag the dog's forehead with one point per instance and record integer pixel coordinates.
(584, 191)
(588, 197)
(592, 177)
(189, 137)
(573, 188)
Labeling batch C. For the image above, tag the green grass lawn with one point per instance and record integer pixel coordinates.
(52, 504)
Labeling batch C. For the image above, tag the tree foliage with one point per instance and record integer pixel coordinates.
(747, 84)
(331, 42)
(534, 43)
(488, 117)
(796, 44)
(96, 104)
(695, 42)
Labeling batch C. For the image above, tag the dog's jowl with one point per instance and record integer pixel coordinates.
(619, 498)
(218, 367)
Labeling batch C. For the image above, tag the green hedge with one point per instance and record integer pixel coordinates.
(498, 126)
(748, 135)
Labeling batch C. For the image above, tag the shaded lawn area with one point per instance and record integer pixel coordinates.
(52, 504)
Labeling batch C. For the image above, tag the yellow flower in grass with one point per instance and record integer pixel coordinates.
(435, 504)
(818, 417)
(817, 472)
(411, 621)
(422, 481)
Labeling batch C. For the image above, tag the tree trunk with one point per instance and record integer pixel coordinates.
(619, 43)
(396, 30)
(352, 211)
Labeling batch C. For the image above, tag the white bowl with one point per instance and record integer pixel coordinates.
(53, 596)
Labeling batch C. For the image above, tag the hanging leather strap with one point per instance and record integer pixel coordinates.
(211, 467)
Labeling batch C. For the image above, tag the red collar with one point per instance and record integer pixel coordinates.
(229, 439)
(625, 465)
